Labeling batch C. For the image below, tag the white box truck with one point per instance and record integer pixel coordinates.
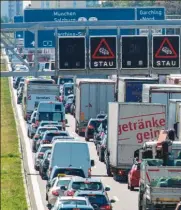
(159, 94)
(129, 126)
(92, 97)
(179, 121)
(34, 93)
(173, 115)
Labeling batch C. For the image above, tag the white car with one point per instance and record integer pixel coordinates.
(54, 191)
(32, 127)
(68, 203)
(39, 155)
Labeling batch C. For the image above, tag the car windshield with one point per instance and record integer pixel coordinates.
(73, 202)
(96, 199)
(44, 149)
(71, 171)
(87, 186)
(65, 80)
(51, 116)
(62, 183)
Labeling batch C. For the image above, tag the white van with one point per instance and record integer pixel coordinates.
(71, 153)
(51, 111)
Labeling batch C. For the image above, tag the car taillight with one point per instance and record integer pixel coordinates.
(55, 192)
(40, 154)
(36, 136)
(45, 142)
(89, 172)
(90, 127)
(37, 123)
(34, 125)
(70, 193)
(121, 172)
(106, 207)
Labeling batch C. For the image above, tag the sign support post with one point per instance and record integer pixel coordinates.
(180, 49)
(149, 49)
(56, 53)
(36, 53)
(87, 53)
(119, 61)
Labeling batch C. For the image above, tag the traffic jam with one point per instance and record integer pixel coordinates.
(137, 138)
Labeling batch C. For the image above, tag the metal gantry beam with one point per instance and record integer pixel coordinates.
(132, 24)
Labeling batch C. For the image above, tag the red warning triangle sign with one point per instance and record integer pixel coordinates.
(103, 51)
(166, 50)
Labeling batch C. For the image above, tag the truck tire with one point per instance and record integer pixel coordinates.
(86, 139)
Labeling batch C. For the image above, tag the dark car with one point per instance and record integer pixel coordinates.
(92, 126)
(16, 82)
(44, 165)
(101, 147)
(68, 104)
(48, 136)
(20, 96)
(39, 132)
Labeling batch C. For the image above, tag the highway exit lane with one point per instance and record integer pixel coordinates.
(125, 199)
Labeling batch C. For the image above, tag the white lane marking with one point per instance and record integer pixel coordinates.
(115, 198)
(34, 180)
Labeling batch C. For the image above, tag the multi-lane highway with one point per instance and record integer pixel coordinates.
(125, 199)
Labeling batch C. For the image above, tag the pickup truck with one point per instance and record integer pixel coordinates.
(160, 186)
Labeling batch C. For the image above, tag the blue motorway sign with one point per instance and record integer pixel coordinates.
(151, 13)
(46, 39)
(18, 34)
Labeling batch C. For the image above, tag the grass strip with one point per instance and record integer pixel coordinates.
(12, 187)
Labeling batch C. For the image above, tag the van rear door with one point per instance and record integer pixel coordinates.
(80, 157)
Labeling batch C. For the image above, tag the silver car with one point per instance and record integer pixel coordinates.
(39, 155)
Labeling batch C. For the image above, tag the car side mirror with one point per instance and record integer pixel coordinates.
(107, 189)
(112, 201)
(92, 163)
(63, 188)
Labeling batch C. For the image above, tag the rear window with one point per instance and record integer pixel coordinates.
(51, 116)
(41, 82)
(73, 172)
(64, 208)
(96, 199)
(63, 183)
(68, 91)
(65, 80)
(87, 186)
(74, 202)
(50, 136)
(44, 149)
(95, 123)
(45, 129)
(46, 123)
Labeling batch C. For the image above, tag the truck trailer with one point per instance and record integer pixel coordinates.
(129, 126)
(91, 98)
(130, 88)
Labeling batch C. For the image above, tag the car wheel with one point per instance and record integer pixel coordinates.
(101, 157)
(28, 133)
(131, 188)
(46, 197)
(87, 139)
(36, 168)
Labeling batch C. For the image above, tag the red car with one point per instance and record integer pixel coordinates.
(134, 176)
